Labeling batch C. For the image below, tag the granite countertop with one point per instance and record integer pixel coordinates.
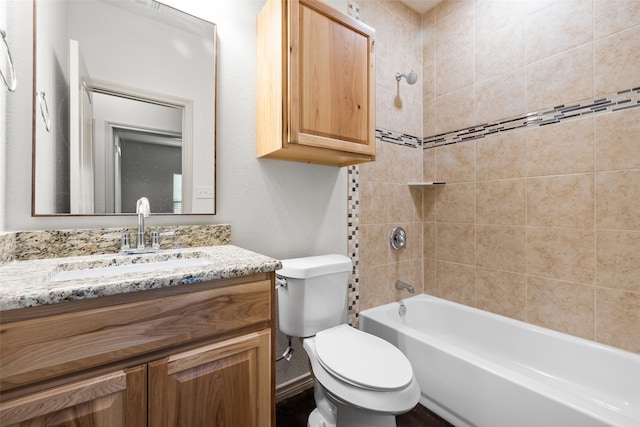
(30, 283)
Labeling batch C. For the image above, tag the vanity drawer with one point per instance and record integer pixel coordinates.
(42, 348)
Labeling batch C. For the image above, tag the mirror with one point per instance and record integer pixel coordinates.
(124, 107)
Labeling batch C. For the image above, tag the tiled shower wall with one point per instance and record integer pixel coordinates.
(541, 224)
(385, 200)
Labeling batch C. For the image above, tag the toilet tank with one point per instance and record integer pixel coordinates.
(315, 295)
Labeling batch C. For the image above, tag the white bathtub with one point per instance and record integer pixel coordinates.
(480, 369)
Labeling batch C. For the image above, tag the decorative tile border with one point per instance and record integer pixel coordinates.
(353, 243)
(353, 219)
(398, 138)
(622, 100)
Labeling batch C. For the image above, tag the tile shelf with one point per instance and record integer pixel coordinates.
(426, 184)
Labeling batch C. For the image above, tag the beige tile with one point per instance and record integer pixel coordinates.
(429, 196)
(374, 244)
(405, 164)
(560, 79)
(379, 170)
(501, 202)
(455, 110)
(501, 156)
(617, 140)
(446, 8)
(405, 203)
(429, 118)
(561, 201)
(409, 272)
(456, 202)
(501, 292)
(429, 240)
(456, 243)
(494, 15)
(456, 162)
(617, 194)
(500, 97)
(618, 259)
(374, 288)
(561, 306)
(613, 16)
(618, 319)
(532, 6)
(616, 60)
(501, 247)
(562, 148)
(454, 32)
(561, 253)
(374, 205)
(456, 282)
(500, 51)
(559, 27)
(429, 165)
(429, 272)
(454, 70)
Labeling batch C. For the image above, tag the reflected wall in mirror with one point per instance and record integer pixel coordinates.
(128, 87)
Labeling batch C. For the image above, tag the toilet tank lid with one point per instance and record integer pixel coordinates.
(307, 267)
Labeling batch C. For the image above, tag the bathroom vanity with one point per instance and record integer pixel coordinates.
(173, 346)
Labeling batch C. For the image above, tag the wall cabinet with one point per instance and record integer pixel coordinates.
(316, 84)
(166, 357)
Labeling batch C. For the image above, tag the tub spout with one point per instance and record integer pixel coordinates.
(402, 286)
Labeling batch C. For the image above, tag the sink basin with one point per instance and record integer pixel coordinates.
(125, 266)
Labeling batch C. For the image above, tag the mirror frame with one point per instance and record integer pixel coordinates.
(35, 116)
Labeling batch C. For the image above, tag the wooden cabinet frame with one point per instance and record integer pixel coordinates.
(316, 84)
(93, 353)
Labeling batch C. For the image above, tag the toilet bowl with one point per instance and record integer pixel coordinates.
(368, 380)
(360, 379)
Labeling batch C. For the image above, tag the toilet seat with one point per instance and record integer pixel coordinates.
(362, 360)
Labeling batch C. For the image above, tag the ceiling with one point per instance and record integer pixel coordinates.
(421, 6)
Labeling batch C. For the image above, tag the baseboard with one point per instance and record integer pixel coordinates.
(294, 386)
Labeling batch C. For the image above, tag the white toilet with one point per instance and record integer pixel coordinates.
(360, 379)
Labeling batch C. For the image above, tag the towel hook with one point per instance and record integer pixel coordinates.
(44, 109)
(10, 80)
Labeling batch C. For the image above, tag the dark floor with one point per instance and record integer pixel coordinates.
(293, 412)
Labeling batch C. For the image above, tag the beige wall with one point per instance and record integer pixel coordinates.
(539, 224)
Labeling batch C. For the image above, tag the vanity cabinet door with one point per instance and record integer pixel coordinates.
(221, 384)
(117, 399)
(316, 84)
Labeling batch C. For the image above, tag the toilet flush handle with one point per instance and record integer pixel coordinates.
(281, 282)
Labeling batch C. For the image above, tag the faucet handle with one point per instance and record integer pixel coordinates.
(155, 238)
(125, 242)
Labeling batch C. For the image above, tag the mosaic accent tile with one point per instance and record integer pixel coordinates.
(622, 100)
(398, 138)
(353, 223)
(354, 9)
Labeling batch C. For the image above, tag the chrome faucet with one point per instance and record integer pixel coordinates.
(143, 210)
(402, 286)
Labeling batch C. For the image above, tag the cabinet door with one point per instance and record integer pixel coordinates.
(226, 384)
(332, 81)
(116, 399)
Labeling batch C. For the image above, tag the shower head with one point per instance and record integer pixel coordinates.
(411, 78)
